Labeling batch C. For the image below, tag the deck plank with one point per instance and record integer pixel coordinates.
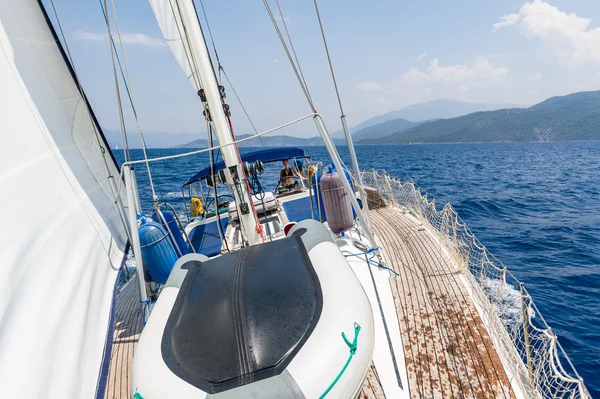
(447, 348)
(128, 327)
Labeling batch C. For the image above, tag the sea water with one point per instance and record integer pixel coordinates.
(536, 206)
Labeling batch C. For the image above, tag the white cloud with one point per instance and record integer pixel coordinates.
(141, 39)
(134, 39)
(568, 35)
(506, 20)
(481, 70)
(89, 36)
(477, 81)
(368, 86)
(420, 57)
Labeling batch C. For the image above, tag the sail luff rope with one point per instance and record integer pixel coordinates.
(126, 153)
(287, 52)
(137, 119)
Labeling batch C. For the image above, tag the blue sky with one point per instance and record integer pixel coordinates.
(387, 54)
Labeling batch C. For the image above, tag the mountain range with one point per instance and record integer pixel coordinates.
(421, 112)
(152, 139)
(572, 117)
(376, 127)
(564, 118)
(267, 141)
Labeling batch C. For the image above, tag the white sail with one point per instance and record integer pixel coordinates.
(169, 19)
(62, 237)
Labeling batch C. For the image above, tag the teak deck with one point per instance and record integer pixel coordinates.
(448, 351)
(128, 327)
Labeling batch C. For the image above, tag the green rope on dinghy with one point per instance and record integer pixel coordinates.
(137, 395)
(353, 347)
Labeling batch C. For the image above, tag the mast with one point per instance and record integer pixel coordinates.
(178, 19)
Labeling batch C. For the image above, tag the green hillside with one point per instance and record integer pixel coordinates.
(383, 129)
(572, 117)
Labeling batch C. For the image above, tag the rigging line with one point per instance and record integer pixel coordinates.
(199, 77)
(80, 89)
(337, 92)
(221, 69)
(287, 51)
(210, 33)
(231, 131)
(137, 119)
(216, 194)
(292, 46)
(241, 104)
(212, 65)
(104, 12)
(343, 115)
(189, 55)
(217, 78)
(228, 117)
(126, 153)
(190, 153)
(385, 324)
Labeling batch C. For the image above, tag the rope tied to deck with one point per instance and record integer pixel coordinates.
(372, 260)
(353, 346)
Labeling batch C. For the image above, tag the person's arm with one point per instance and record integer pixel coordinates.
(296, 173)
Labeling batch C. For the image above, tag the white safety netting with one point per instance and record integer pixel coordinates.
(529, 350)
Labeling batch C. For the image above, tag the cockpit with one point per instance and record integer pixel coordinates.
(277, 178)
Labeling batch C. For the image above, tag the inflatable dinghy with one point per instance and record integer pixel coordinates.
(262, 322)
